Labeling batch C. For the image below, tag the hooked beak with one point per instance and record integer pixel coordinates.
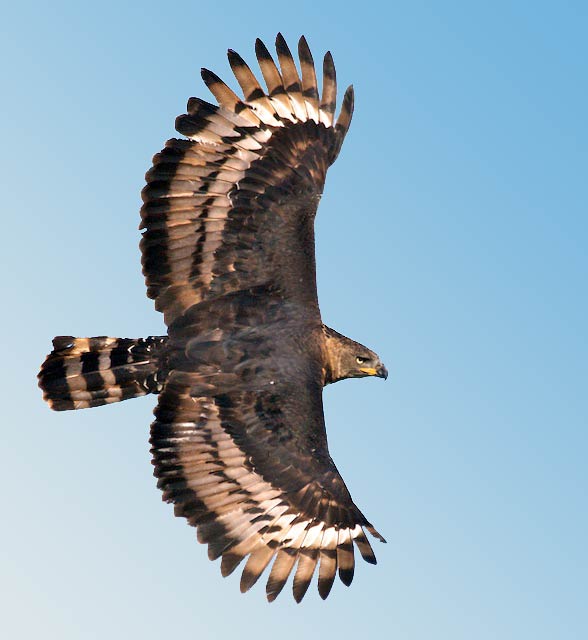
(382, 372)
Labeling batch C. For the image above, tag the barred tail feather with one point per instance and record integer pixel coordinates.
(88, 372)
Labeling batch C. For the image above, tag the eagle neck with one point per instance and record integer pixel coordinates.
(334, 343)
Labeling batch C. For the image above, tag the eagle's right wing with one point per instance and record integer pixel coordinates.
(240, 448)
(233, 205)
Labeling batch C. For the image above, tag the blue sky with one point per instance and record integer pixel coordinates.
(451, 239)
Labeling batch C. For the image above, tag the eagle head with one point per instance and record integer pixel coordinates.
(346, 358)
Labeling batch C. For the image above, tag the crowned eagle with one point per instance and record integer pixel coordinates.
(239, 442)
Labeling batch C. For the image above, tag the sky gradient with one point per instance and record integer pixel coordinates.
(451, 239)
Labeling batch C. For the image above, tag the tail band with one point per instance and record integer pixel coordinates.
(88, 372)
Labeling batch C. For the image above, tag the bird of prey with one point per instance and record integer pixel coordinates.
(239, 442)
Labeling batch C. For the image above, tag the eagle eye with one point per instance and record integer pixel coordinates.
(361, 360)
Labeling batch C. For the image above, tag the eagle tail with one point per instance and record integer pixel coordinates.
(88, 372)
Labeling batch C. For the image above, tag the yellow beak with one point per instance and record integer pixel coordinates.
(380, 371)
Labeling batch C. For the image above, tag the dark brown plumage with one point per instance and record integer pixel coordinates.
(239, 442)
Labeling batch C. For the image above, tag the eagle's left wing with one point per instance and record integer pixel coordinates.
(233, 205)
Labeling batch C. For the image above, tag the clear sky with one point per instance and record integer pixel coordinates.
(451, 239)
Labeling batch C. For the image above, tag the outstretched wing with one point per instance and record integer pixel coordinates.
(233, 205)
(239, 445)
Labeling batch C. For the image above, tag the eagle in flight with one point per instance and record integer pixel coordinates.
(239, 442)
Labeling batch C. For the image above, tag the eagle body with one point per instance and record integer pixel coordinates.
(239, 442)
